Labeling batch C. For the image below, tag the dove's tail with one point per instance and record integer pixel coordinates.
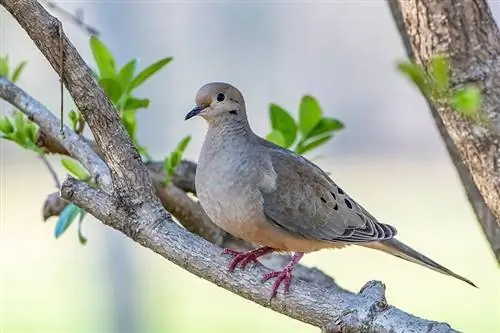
(399, 249)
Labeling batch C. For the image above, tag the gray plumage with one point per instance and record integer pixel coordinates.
(271, 196)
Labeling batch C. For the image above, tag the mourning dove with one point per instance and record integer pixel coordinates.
(268, 195)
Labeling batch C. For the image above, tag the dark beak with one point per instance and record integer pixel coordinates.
(194, 112)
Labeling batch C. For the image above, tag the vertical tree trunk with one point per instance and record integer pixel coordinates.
(464, 31)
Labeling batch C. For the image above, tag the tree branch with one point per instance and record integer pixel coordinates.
(49, 123)
(133, 208)
(466, 32)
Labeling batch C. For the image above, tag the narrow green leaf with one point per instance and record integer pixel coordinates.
(309, 115)
(326, 125)
(439, 70)
(112, 88)
(66, 217)
(130, 122)
(19, 122)
(81, 238)
(18, 71)
(148, 72)
(181, 147)
(136, 103)
(282, 121)
(276, 137)
(6, 126)
(4, 66)
(467, 101)
(315, 143)
(30, 132)
(75, 168)
(103, 58)
(127, 73)
(416, 74)
(175, 159)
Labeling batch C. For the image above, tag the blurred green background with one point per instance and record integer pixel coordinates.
(389, 158)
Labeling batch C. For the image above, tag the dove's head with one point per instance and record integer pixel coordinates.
(219, 102)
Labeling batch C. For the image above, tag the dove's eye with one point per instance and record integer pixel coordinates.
(220, 97)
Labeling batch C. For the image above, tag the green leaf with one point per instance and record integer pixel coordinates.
(309, 115)
(18, 71)
(282, 121)
(467, 101)
(276, 137)
(6, 126)
(181, 147)
(130, 122)
(314, 144)
(416, 74)
(30, 131)
(439, 69)
(136, 103)
(103, 58)
(81, 238)
(4, 66)
(112, 88)
(19, 122)
(75, 168)
(127, 73)
(174, 160)
(66, 217)
(148, 72)
(326, 125)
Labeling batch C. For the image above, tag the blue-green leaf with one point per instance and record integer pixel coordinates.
(284, 123)
(148, 72)
(103, 58)
(75, 168)
(276, 137)
(18, 71)
(81, 238)
(136, 103)
(309, 115)
(467, 101)
(66, 217)
(439, 68)
(326, 125)
(112, 88)
(127, 73)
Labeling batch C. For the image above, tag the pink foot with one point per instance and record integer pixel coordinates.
(285, 275)
(244, 258)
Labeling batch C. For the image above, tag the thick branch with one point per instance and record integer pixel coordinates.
(466, 32)
(133, 209)
(328, 308)
(49, 123)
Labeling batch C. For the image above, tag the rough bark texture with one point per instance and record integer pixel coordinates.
(130, 203)
(465, 31)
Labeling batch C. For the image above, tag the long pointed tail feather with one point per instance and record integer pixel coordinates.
(403, 251)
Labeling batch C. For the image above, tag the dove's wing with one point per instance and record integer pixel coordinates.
(307, 203)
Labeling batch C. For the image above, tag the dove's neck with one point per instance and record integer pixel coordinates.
(227, 135)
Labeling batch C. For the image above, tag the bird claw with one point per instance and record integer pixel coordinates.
(244, 258)
(284, 275)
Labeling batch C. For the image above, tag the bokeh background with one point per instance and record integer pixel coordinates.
(390, 158)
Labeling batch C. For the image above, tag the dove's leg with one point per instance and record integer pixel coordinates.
(244, 258)
(284, 275)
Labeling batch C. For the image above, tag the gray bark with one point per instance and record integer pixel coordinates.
(465, 31)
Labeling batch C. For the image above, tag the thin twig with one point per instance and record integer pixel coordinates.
(52, 172)
(76, 18)
(61, 73)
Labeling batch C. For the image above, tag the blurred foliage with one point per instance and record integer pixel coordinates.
(171, 162)
(309, 132)
(433, 81)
